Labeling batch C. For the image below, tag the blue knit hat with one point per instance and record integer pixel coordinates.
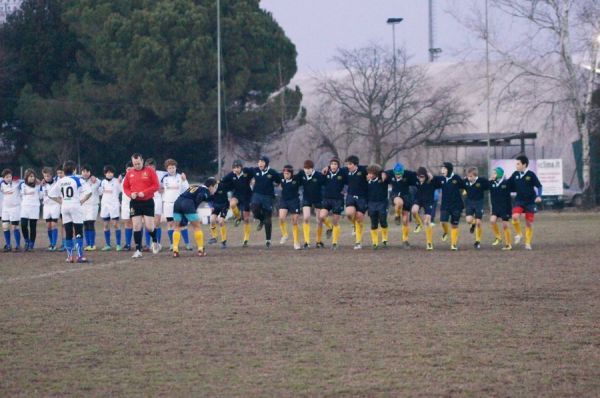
(399, 169)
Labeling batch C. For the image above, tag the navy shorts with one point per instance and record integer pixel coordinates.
(317, 204)
(504, 214)
(336, 206)
(291, 205)
(184, 206)
(450, 215)
(243, 203)
(220, 210)
(359, 203)
(406, 200)
(526, 207)
(264, 201)
(474, 208)
(428, 208)
(377, 208)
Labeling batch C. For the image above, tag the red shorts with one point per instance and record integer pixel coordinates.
(529, 215)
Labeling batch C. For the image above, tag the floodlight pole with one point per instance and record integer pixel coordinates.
(394, 22)
(219, 155)
(488, 86)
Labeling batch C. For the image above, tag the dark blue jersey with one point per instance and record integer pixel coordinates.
(312, 185)
(500, 196)
(401, 186)
(333, 186)
(451, 192)
(265, 181)
(524, 185)
(357, 181)
(290, 188)
(377, 190)
(220, 198)
(426, 191)
(240, 184)
(197, 193)
(476, 189)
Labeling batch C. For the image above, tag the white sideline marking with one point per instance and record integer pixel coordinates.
(84, 267)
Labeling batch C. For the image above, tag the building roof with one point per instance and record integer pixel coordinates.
(481, 139)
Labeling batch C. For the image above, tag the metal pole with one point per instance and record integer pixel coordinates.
(395, 90)
(488, 84)
(219, 155)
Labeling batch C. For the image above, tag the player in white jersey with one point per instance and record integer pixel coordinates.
(51, 211)
(11, 209)
(71, 192)
(126, 211)
(158, 205)
(31, 196)
(173, 185)
(90, 208)
(110, 208)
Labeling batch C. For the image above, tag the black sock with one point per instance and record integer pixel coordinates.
(137, 238)
(32, 230)
(268, 229)
(153, 235)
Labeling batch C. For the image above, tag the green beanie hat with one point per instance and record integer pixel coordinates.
(499, 172)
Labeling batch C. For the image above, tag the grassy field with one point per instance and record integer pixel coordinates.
(252, 322)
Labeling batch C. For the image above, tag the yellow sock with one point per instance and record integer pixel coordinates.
(319, 233)
(213, 231)
(517, 225)
(398, 211)
(496, 230)
(199, 235)
(328, 223)
(223, 233)
(236, 212)
(374, 237)
(478, 233)
(445, 227)
(283, 226)
(359, 231)
(336, 234)
(418, 219)
(507, 237)
(176, 239)
(528, 235)
(306, 230)
(296, 234)
(247, 228)
(454, 236)
(384, 234)
(429, 234)
(405, 231)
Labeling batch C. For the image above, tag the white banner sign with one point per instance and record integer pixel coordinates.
(549, 172)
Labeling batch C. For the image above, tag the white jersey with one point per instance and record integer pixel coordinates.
(158, 195)
(173, 186)
(110, 191)
(30, 196)
(12, 193)
(71, 189)
(45, 188)
(94, 188)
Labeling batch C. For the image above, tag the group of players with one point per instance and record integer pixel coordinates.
(144, 196)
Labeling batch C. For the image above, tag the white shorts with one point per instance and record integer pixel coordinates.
(110, 211)
(168, 209)
(30, 212)
(51, 212)
(90, 212)
(72, 214)
(125, 210)
(11, 214)
(158, 207)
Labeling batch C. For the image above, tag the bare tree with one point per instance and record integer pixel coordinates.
(393, 113)
(330, 130)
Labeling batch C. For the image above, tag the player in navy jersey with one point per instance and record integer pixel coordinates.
(219, 201)
(377, 196)
(452, 203)
(265, 179)
(501, 206)
(289, 204)
(333, 198)
(401, 180)
(312, 198)
(475, 187)
(356, 198)
(529, 194)
(240, 178)
(425, 200)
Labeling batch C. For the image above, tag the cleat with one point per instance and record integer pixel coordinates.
(329, 233)
(82, 260)
(245, 243)
(472, 229)
(334, 246)
(27, 248)
(92, 248)
(297, 246)
(418, 228)
(517, 239)
(319, 245)
(454, 248)
(70, 259)
(375, 247)
(306, 246)
(384, 244)
(444, 237)
(146, 249)
(496, 242)
(357, 246)
(106, 248)
(237, 222)
(429, 246)
(528, 246)
(50, 248)
(268, 244)
(87, 248)
(283, 240)
(477, 245)
(137, 254)
(156, 247)
(398, 220)
(201, 253)
(224, 244)
(260, 226)
(406, 245)
(175, 253)
(119, 248)
(507, 248)
(17, 249)
(7, 248)
(212, 241)
(189, 247)
(127, 248)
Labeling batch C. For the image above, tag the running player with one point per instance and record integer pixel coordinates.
(261, 204)
(452, 203)
(356, 198)
(312, 196)
(240, 178)
(501, 206)
(529, 194)
(377, 194)
(401, 180)
(333, 198)
(475, 187)
(289, 204)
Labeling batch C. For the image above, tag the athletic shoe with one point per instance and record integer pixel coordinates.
(7, 248)
(528, 246)
(245, 243)
(17, 249)
(81, 260)
(237, 222)
(319, 245)
(418, 228)
(496, 242)
(406, 245)
(189, 247)
(212, 241)
(201, 253)
(224, 244)
(283, 240)
(260, 226)
(306, 246)
(517, 239)
(477, 245)
(398, 220)
(429, 246)
(375, 247)
(87, 248)
(146, 249)
(297, 247)
(119, 248)
(357, 246)
(127, 248)
(472, 229)
(27, 248)
(137, 254)
(334, 246)
(51, 248)
(384, 244)
(106, 248)
(156, 247)
(175, 254)
(329, 233)
(454, 248)
(444, 237)
(268, 244)
(507, 247)
(70, 259)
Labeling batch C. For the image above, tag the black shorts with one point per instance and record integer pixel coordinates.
(142, 208)
(243, 203)
(264, 201)
(336, 206)
(291, 205)
(406, 200)
(527, 207)
(184, 206)
(317, 204)
(359, 203)
(474, 208)
(428, 208)
(220, 210)
(504, 214)
(451, 215)
(377, 208)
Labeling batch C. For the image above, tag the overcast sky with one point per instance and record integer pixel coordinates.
(319, 27)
